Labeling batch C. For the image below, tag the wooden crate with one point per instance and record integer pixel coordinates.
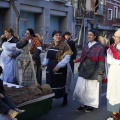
(35, 108)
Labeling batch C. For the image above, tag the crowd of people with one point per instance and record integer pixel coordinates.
(100, 57)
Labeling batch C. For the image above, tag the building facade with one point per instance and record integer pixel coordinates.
(104, 16)
(112, 18)
(43, 16)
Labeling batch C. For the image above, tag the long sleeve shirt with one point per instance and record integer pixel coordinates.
(60, 64)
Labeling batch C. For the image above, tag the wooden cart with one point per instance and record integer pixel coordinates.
(35, 108)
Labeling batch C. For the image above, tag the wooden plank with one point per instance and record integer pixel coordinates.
(37, 100)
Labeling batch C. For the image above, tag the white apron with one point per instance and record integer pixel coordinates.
(87, 92)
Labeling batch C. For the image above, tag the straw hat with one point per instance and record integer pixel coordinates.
(117, 33)
(102, 40)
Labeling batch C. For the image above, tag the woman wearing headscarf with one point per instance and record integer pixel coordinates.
(56, 60)
(113, 89)
(90, 71)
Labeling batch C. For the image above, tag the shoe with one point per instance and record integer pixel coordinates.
(113, 117)
(12, 113)
(89, 109)
(64, 103)
(81, 108)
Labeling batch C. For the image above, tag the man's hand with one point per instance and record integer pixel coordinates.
(1, 96)
(56, 69)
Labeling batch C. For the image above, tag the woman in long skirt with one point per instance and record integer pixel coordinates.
(57, 58)
(113, 89)
(90, 71)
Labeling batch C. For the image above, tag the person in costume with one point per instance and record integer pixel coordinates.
(113, 89)
(56, 60)
(34, 47)
(9, 54)
(71, 43)
(90, 71)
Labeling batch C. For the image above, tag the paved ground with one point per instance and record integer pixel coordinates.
(68, 113)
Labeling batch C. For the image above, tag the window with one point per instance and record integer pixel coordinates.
(115, 11)
(109, 17)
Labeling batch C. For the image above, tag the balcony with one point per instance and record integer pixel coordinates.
(80, 13)
(101, 10)
(116, 21)
(60, 1)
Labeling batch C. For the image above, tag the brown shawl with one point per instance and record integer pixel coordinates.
(35, 43)
(63, 48)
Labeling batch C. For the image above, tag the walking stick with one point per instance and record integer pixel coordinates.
(33, 69)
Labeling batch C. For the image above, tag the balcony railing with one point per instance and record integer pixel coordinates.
(79, 14)
(61, 1)
(116, 21)
(101, 10)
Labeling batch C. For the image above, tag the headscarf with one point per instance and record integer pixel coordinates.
(95, 32)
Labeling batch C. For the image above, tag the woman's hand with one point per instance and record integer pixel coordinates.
(3, 36)
(42, 67)
(56, 69)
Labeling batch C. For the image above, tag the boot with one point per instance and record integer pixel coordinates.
(65, 101)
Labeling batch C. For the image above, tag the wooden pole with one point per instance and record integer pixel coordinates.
(17, 14)
(81, 28)
(33, 69)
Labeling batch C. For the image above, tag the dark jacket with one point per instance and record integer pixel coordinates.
(71, 43)
(13, 40)
(2, 87)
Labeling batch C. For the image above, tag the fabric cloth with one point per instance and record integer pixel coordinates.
(1, 87)
(115, 52)
(113, 108)
(88, 89)
(70, 79)
(13, 39)
(56, 80)
(8, 62)
(71, 43)
(58, 55)
(35, 51)
(64, 50)
(88, 92)
(6, 104)
(92, 61)
(95, 52)
(35, 43)
(113, 88)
